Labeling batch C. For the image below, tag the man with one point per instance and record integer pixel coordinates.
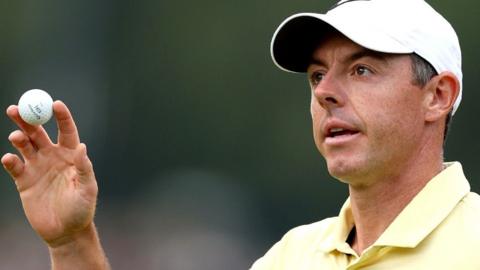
(385, 75)
(385, 78)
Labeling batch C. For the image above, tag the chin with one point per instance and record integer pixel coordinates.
(345, 171)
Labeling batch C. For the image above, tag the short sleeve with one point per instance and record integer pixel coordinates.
(268, 261)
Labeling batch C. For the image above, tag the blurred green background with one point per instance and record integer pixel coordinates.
(202, 147)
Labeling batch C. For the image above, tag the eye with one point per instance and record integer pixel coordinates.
(316, 77)
(362, 71)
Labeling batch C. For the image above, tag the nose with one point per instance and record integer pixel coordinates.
(329, 93)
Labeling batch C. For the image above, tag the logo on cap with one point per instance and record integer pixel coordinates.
(344, 2)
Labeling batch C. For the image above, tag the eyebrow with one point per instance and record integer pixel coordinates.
(361, 53)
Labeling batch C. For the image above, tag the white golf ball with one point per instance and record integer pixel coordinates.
(35, 107)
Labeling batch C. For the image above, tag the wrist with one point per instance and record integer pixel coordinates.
(64, 242)
(81, 249)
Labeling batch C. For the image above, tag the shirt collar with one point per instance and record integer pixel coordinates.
(427, 209)
(420, 217)
(336, 236)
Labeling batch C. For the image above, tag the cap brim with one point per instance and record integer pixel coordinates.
(299, 35)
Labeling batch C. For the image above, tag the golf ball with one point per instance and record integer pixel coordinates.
(35, 107)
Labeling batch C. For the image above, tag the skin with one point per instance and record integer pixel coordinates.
(58, 189)
(396, 129)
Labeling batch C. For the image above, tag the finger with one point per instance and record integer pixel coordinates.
(83, 164)
(67, 130)
(23, 144)
(37, 134)
(13, 165)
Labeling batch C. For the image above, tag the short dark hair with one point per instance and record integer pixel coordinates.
(422, 73)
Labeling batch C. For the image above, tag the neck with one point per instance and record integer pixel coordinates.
(374, 207)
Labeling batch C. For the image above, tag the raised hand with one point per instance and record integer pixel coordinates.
(55, 181)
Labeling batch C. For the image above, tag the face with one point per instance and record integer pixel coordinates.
(367, 113)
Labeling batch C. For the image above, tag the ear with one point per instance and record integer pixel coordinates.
(442, 91)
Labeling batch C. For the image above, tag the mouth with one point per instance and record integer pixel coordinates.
(338, 136)
(338, 132)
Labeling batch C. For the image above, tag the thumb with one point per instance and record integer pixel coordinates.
(83, 164)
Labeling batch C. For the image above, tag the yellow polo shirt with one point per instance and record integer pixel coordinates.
(438, 229)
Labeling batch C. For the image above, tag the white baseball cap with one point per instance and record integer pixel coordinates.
(389, 26)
